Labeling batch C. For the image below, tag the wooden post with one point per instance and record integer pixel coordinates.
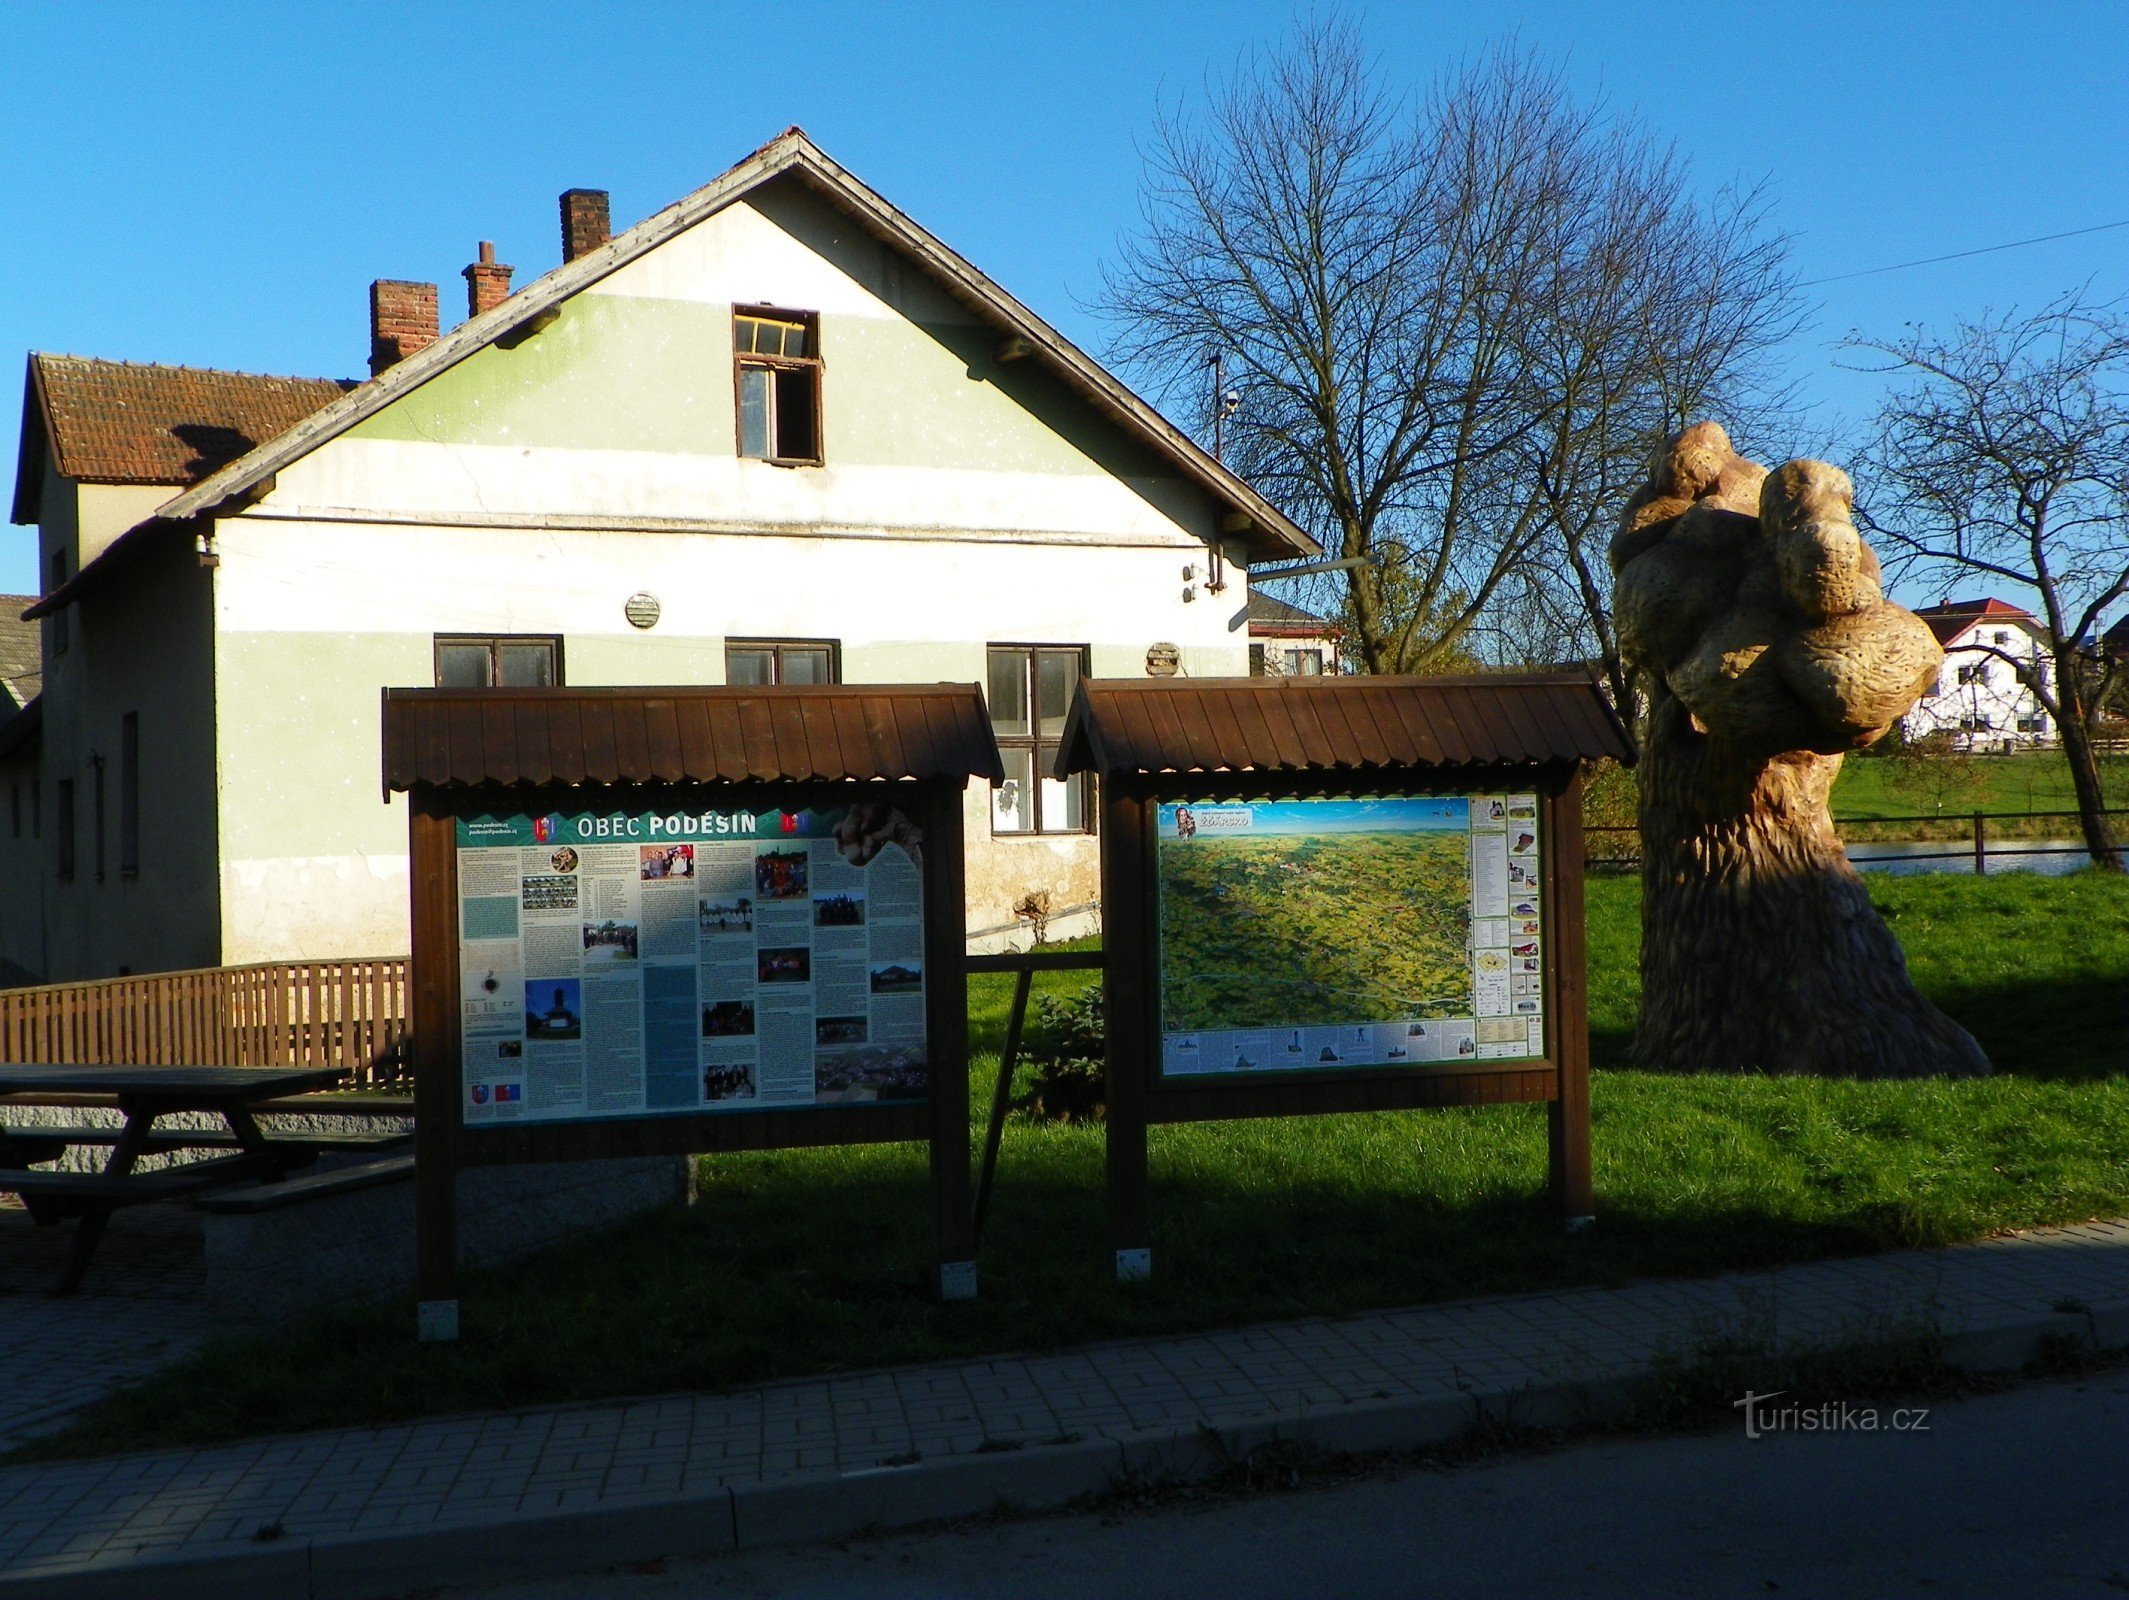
(433, 862)
(1981, 849)
(1128, 996)
(1001, 1100)
(1568, 1153)
(946, 1028)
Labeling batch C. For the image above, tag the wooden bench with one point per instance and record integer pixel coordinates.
(60, 1188)
(27, 1146)
(311, 1186)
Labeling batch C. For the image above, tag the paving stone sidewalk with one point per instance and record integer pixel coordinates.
(142, 1306)
(379, 1511)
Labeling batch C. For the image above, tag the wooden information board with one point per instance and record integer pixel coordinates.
(1340, 894)
(669, 921)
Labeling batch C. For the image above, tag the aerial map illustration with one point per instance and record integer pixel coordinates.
(1308, 934)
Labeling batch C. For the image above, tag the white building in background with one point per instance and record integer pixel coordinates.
(1288, 642)
(776, 432)
(1978, 699)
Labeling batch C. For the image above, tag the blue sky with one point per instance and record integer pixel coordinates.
(1331, 816)
(217, 184)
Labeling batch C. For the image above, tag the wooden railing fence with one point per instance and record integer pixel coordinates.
(350, 1014)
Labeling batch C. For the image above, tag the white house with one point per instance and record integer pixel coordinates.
(1978, 699)
(775, 432)
(1288, 642)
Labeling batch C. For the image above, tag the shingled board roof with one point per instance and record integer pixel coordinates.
(125, 422)
(21, 655)
(1331, 723)
(837, 732)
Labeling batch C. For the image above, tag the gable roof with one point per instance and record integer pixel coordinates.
(832, 732)
(21, 656)
(1274, 617)
(1268, 532)
(127, 422)
(1121, 725)
(1954, 617)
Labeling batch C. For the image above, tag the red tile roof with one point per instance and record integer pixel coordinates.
(124, 422)
(1954, 617)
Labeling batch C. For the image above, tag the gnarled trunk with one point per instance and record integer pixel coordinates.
(1760, 950)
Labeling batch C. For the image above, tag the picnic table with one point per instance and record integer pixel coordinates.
(143, 1094)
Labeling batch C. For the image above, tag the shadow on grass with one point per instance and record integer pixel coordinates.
(2071, 1030)
(814, 1262)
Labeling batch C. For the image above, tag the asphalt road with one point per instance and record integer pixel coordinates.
(2023, 1494)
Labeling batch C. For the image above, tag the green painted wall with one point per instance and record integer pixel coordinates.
(632, 372)
(301, 732)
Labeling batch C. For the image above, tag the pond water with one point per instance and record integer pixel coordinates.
(2050, 857)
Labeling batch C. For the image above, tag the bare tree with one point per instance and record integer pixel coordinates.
(1664, 308)
(2002, 456)
(1456, 327)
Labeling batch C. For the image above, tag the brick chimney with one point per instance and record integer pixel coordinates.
(487, 282)
(402, 320)
(584, 222)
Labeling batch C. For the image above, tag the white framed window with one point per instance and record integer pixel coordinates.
(1030, 689)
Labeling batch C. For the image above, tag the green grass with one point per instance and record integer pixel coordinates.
(1286, 931)
(809, 1261)
(1876, 786)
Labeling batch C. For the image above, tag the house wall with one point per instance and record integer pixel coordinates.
(313, 860)
(22, 877)
(82, 518)
(533, 490)
(145, 646)
(2002, 701)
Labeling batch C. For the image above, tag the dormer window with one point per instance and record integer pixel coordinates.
(777, 369)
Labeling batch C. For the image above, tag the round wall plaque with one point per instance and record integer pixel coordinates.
(1162, 660)
(642, 610)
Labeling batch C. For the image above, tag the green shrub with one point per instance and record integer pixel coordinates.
(1065, 1047)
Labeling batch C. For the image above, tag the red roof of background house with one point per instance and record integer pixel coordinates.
(1954, 617)
(1274, 618)
(128, 422)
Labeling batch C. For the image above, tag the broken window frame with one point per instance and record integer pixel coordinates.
(803, 369)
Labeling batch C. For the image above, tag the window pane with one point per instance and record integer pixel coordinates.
(1304, 663)
(750, 667)
(754, 412)
(1056, 671)
(527, 666)
(1013, 802)
(1009, 693)
(806, 665)
(462, 666)
(1061, 797)
(797, 397)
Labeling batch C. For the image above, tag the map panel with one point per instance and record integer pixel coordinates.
(1338, 934)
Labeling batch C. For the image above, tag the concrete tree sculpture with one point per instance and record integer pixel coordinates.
(1756, 613)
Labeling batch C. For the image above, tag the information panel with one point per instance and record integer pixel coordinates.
(653, 964)
(1301, 936)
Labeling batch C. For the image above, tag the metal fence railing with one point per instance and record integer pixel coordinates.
(1617, 846)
